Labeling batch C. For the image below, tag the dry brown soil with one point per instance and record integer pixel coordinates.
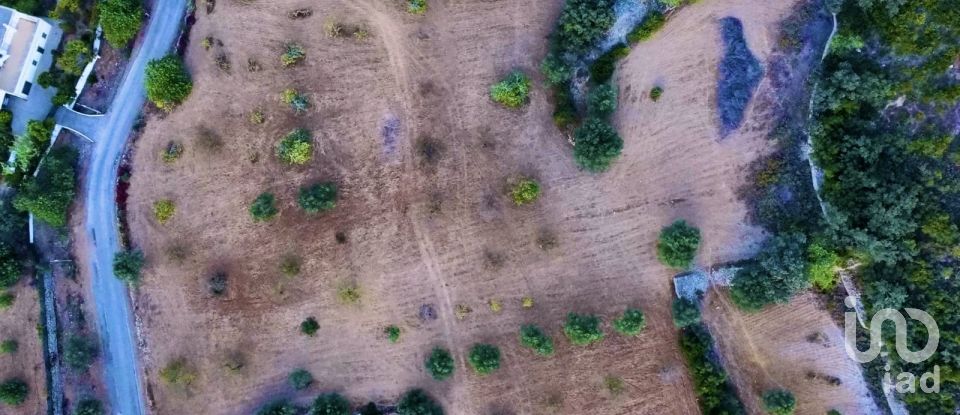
(19, 323)
(425, 235)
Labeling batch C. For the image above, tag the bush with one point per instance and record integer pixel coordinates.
(79, 352)
(602, 101)
(292, 54)
(417, 402)
(715, 393)
(290, 265)
(127, 265)
(417, 6)
(778, 273)
(601, 70)
(440, 363)
(532, 337)
(9, 346)
(279, 408)
(370, 409)
(555, 70)
(512, 91)
(655, 93)
(330, 404)
(178, 373)
(49, 195)
(582, 330)
(172, 152)
(11, 268)
(583, 23)
(76, 53)
(295, 100)
(6, 300)
(614, 385)
(121, 20)
(309, 326)
(167, 82)
(13, 392)
(524, 191)
(393, 333)
(631, 323)
(296, 147)
(685, 313)
(257, 117)
(678, 245)
(163, 210)
(565, 110)
(349, 293)
(779, 402)
(484, 358)
(263, 207)
(320, 197)
(820, 266)
(740, 74)
(650, 25)
(300, 379)
(596, 145)
(89, 407)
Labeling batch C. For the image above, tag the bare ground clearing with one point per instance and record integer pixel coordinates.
(426, 235)
(20, 322)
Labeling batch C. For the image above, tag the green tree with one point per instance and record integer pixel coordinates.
(330, 404)
(300, 379)
(525, 191)
(582, 329)
(678, 244)
(167, 82)
(393, 333)
(583, 23)
(76, 54)
(602, 101)
(13, 392)
(821, 262)
(532, 337)
(440, 363)
(279, 408)
(309, 326)
(49, 195)
(296, 147)
(417, 402)
(596, 145)
(320, 197)
(89, 407)
(555, 70)
(512, 91)
(779, 402)
(631, 323)
(121, 20)
(484, 358)
(127, 265)
(79, 352)
(6, 300)
(650, 24)
(40, 131)
(778, 273)
(263, 207)
(685, 313)
(11, 268)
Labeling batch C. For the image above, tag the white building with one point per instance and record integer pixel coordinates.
(24, 40)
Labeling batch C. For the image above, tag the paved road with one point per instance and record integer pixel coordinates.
(114, 316)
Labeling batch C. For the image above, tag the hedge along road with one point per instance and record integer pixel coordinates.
(114, 317)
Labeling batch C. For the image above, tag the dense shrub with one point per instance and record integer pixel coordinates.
(263, 207)
(296, 147)
(9, 346)
(631, 323)
(167, 82)
(685, 313)
(779, 402)
(121, 20)
(532, 337)
(13, 392)
(295, 100)
(300, 379)
(79, 352)
(49, 195)
(602, 100)
(655, 93)
(279, 408)
(317, 198)
(6, 300)
(127, 265)
(651, 23)
(309, 326)
(601, 70)
(76, 53)
(555, 69)
(583, 329)
(440, 363)
(393, 333)
(565, 110)
(715, 393)
(330, 404)
(417, 402)
(292, 55)
(525, 191)
(11, 267)
(583, 23)
(178, 373)
(163, 210)
(596, 145)
(821, 264)
(512, 91)
(740, 74)
(417, 6)
(484, 358)
(778, 273)
(678, 244)
(89, 407)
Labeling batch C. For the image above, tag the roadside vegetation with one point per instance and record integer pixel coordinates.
(121, 20)
(49, 195)
(167, 82)
(127, 265)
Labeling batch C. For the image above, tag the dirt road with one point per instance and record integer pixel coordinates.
(110, 295)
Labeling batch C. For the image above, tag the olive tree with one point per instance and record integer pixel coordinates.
(440, 363)
(167, 82)
(583, 329)
(317, 198)
(678, 244)
(596, 145)
(484, 358)
(127, 265)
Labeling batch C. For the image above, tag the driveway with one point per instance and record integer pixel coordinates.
(111, 297)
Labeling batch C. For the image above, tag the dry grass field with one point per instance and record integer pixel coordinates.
(443, 235)
(19, 323)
